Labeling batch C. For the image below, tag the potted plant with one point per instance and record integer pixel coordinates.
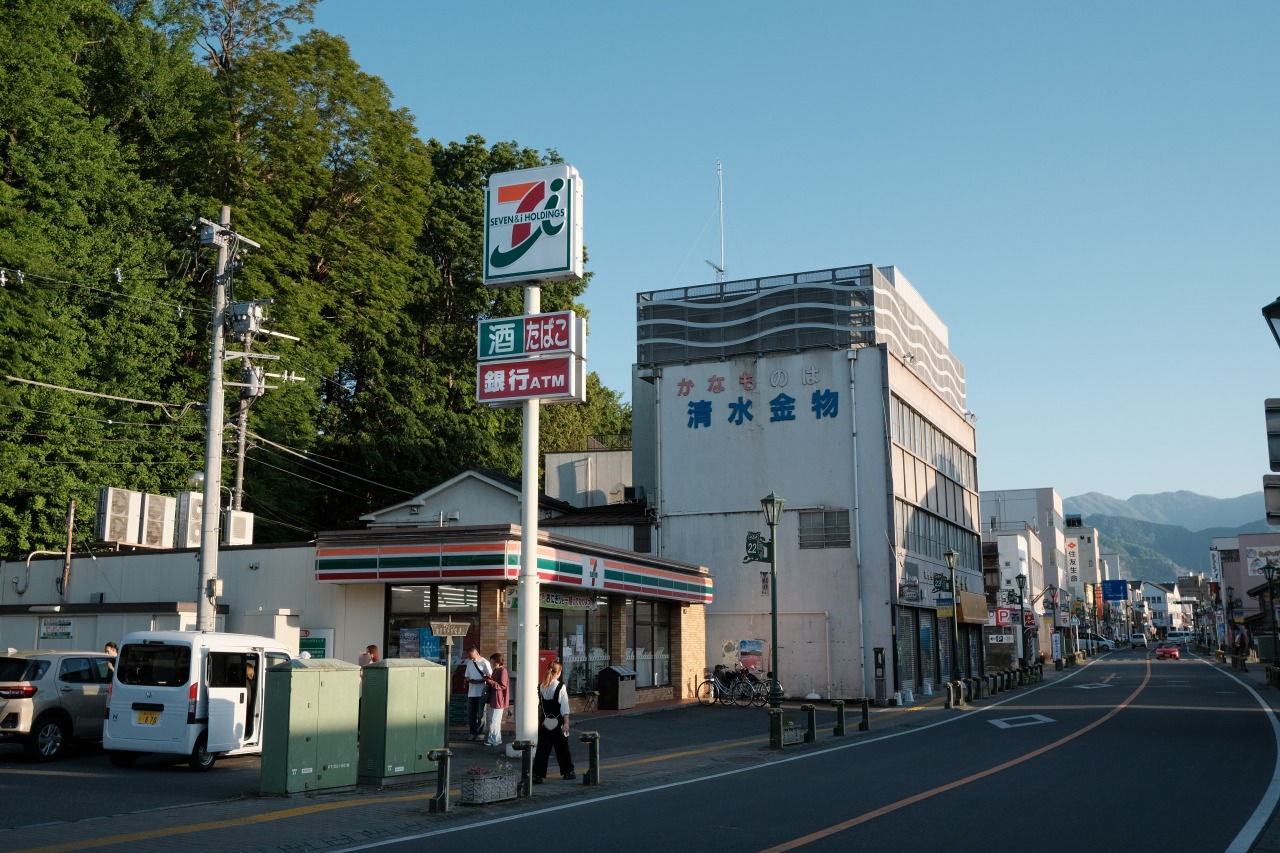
(482, 785)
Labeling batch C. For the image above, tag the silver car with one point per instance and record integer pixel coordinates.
(48, 699)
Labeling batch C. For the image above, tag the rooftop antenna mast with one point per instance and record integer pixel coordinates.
(720, 268)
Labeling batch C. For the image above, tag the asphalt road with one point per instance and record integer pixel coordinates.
(1124, 753)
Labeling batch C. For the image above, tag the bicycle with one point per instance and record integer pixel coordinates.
(724, 685)
(760, 687)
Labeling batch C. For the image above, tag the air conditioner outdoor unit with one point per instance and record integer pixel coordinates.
(158, 516)
(190, 519)
(118, 513)
(237, 527)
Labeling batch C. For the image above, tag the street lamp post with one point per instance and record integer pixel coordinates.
(951, 555)
(1022, 616)
(772, 506)
(1228, 632)
(1054, 651)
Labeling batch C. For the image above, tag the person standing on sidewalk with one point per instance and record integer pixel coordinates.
(553, 727)
(477, 670)
(499, 699)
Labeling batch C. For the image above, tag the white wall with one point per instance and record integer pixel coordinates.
(282, 580)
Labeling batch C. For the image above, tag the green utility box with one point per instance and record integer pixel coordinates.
(402, 718)
(310, 726)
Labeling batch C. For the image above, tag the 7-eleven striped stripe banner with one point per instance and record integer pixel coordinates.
(472, 561)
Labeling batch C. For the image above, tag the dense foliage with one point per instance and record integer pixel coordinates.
(120, 123)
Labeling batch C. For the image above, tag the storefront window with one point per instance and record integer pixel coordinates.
(414, 607)
(580, 637)
(649, 624)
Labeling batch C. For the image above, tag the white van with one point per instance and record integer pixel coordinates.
(192, 693)
(1182, 638)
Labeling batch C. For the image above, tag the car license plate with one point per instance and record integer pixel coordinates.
(148, 718)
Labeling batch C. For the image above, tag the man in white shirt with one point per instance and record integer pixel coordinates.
(476, 670)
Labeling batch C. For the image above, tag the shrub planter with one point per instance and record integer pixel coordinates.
(490, 788)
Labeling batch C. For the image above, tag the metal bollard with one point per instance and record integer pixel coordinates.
(440, 803)
(592, 740)
(525, 787)
(775, 728)
(838, 704)
(865, 724)
(811, 723)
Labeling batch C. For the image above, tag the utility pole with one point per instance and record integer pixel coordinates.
(246, 319)
(64, 586)
(209, 587)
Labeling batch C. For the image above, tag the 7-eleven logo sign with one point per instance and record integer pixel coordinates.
(533, 226)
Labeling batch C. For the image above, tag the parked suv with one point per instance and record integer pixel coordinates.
(1095, 642)
(47, 699)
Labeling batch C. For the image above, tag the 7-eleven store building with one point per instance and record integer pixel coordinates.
(600, 605)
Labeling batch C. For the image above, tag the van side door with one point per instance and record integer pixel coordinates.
(227, 674)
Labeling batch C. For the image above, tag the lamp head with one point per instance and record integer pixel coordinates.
(1271, 313)
(772, 506)
(1269, 572)
(1022, 581)
(951, 554)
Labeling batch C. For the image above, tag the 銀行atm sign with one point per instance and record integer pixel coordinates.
(552, 378)
(555, 333)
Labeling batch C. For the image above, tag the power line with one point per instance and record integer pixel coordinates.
(164, 407)
(107, 421)
(260, 461)
(302, 455)
(9, 274)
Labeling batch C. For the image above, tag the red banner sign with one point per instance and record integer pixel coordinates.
(525, 379)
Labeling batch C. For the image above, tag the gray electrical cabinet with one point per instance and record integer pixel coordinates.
(402, 718)
(310, 726)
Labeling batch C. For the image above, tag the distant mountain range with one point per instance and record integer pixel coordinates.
(1159, 537)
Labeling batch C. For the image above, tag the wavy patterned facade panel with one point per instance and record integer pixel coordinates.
(848, 307)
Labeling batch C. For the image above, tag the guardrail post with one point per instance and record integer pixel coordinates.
(838, 704)
(440, 803)
(592, 740)
(775, 728)
(525, 787)
(865, 725)
(811, 723)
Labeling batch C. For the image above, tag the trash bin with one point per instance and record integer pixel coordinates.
(617, 688)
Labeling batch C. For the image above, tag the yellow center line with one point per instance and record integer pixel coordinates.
(942, 789)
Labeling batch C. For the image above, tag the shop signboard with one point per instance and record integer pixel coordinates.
(533, 226)
(549, 378)
(554, 333)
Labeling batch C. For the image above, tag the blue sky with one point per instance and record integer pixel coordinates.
(1085, 193)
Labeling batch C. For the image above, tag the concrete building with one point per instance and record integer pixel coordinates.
(1040, 512)
(835, 389)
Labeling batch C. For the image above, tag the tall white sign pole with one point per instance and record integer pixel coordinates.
(529, 592)
(532, 235)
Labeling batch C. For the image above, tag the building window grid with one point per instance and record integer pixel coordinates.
(924, 533)
(824, 529)
(922, 438)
